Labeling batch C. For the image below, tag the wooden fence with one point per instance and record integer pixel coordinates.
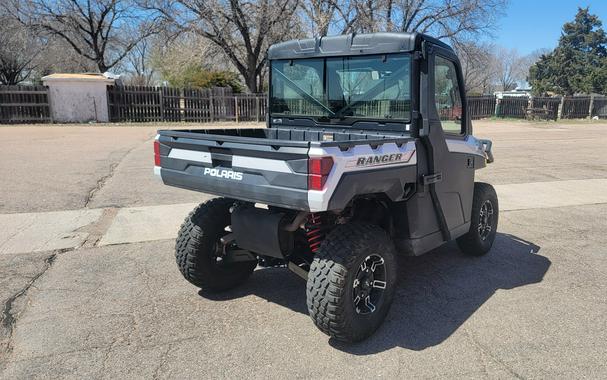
(576, 107)
(512, 106)
(568, 107)
(481, 107)
(250, 107)
(24, 104)
(599, 107)
(30, 104)
(549, 104)
(137, 103)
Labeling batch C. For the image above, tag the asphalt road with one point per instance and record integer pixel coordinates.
(89, 288)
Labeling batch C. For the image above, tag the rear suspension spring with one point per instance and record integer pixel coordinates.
(314, 231)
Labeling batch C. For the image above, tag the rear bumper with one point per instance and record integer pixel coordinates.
(242, 190)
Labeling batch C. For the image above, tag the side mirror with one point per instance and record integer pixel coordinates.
(487, 144)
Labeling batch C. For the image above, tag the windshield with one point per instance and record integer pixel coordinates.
(343, 88)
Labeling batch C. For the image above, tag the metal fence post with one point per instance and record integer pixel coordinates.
(257, 109)
(236, 109)
(559, 114)
(496, 109)
(530, 103)
(160, 96)
(211, 108)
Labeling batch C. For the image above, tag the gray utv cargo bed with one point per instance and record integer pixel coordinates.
(271, 165)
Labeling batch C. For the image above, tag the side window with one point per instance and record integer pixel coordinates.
(447, 96)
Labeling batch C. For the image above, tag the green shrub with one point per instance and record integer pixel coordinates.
(196, 76)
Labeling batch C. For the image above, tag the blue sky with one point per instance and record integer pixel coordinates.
(533, 24)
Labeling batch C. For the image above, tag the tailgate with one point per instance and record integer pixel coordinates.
(246, 168)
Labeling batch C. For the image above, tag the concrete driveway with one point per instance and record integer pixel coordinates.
(89, 288)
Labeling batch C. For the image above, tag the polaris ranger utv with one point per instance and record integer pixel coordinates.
(368, 153)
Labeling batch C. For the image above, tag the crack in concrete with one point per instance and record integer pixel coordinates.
(106, 356)
(99, 228)
(9, 318)
(7, 325)
(117, 345)
(19, 228)
(8, 321)
(161, 362)
(103, 180)
(482, 349)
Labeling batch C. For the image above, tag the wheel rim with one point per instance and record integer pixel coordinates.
(485, 224)
(369, 285)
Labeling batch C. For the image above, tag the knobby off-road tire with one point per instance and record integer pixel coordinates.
(196, 248)
(483, 221)
(331, 291)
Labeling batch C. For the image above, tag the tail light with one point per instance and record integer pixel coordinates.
(156, 153)
(318, 172)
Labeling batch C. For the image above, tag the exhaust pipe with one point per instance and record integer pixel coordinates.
(296, 223)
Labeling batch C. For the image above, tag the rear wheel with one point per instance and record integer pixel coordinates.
(200, 253)
(352, 281)
(483, 221)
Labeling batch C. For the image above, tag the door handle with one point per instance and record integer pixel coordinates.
(470, 162)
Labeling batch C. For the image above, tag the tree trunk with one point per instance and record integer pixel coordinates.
(251, 81)
(10, 77)
(250, 76)
(261, 78)
(389, 26)
(102, 68)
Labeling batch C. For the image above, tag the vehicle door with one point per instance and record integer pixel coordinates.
(449, 137)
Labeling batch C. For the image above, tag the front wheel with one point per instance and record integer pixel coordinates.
(483, 221)
(352, 281)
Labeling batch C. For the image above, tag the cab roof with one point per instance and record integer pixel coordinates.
(350, 44)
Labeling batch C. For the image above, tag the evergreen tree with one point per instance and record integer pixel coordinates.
(579, 62)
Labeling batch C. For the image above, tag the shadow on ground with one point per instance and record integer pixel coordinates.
(437, 293)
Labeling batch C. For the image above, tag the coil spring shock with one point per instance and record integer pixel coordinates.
(314, 232)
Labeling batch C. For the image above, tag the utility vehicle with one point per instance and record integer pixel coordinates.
(368, 153)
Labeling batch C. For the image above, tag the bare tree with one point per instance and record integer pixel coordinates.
(372, 16)
(141, 71)
(361, 16)
(451, 19)
(242, 29)
(173, 56)
(508, 66)
(477, 66)
(19, 49)
(530, 59)
(102, 31)
(446, 19)
(487, 68)
(318, 15)
(58, 57)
